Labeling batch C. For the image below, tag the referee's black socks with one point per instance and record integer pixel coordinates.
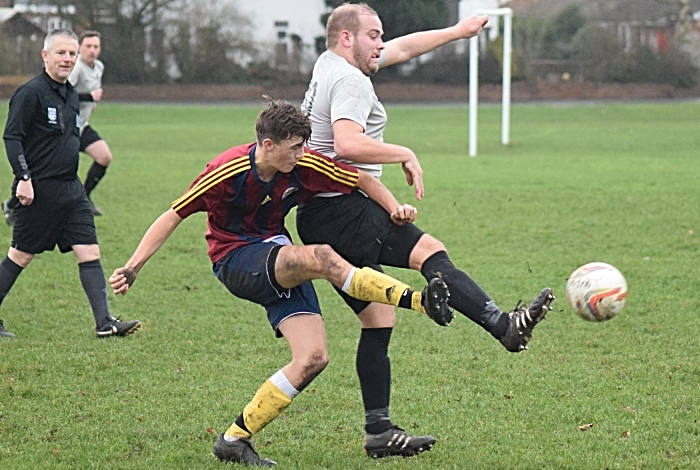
(465, 295)
(92, 277)
(9, 272)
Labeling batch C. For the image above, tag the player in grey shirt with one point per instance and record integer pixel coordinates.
(347, 123)
(86, 77)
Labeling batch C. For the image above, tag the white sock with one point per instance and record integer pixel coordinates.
(346, 286)
(281, 382)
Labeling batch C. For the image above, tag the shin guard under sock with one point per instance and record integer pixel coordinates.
(266, 405)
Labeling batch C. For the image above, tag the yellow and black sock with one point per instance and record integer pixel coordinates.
(372, 286)
(266, 405)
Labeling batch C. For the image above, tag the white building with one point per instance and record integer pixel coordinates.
(287, 27)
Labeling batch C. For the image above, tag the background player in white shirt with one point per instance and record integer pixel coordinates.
(87, 80)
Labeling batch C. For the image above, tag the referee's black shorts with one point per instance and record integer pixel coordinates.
(87, 137)
(360, 230)
(60, 216)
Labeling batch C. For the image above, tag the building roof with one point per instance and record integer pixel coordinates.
(6, 14)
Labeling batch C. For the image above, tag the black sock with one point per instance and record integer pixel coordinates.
(95, 174)
(374, 371)
(9, 272)
(465, 295)
(406, 300)
(92, 277)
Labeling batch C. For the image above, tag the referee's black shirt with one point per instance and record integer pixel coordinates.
(42, 129)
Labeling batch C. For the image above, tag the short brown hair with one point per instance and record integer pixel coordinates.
(346, 17)
(281, 120)
(90, 34)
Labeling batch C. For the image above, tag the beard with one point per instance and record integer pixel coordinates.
(362, 60)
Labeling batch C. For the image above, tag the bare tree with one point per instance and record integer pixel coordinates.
(212, 42)
(529, 33)
(128, 28)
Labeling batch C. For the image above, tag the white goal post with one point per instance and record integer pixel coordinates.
(507, 15)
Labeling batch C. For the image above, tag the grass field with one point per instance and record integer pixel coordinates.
(618, 183)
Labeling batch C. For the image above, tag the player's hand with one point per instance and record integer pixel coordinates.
(404, 214)
(96, 94)
(121, 279)
(471, 26)
(25, 192)
(414, 175)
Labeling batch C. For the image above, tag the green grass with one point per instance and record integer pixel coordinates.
(615, 183)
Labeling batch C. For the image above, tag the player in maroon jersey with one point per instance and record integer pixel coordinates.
(246, 192)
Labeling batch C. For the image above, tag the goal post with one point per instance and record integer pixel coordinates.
(507, 14)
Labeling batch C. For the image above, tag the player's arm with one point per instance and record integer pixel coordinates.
(157, 234)
(400, 213)
(412, 45)
(351, 143)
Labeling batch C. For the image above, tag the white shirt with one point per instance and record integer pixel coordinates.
(339, 90)
(86, 79)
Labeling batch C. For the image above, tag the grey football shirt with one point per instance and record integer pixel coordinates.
(86, 79)
(339, 90)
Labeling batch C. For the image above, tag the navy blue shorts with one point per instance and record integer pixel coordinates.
(248, 273)
(59, 215)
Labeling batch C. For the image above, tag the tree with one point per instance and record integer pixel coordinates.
(212, 43)
(401, 17)
(560, 32)
(529, 42)
(126, 26)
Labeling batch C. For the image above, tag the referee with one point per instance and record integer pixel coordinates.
(49, 202)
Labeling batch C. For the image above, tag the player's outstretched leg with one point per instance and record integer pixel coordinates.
(522, 321)
(395, 441)
(374, 286)
(240, 451)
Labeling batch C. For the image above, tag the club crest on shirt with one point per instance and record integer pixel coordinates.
(290, 191)
(52, 115)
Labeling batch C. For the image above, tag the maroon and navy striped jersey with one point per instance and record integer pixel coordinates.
(242, 209)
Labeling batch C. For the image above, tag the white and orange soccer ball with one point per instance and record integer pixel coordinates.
(596, 291)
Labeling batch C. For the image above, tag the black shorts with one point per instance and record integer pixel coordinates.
(87, 137)
(59, 215)
(360, 230)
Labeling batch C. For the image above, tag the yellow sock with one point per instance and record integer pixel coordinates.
(372, 286)
(266, 405)
(415, 303)
(235, 431)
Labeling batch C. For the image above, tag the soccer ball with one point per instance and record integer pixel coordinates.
(596, 291)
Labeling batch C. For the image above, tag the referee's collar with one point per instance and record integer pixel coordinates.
(61, 88)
